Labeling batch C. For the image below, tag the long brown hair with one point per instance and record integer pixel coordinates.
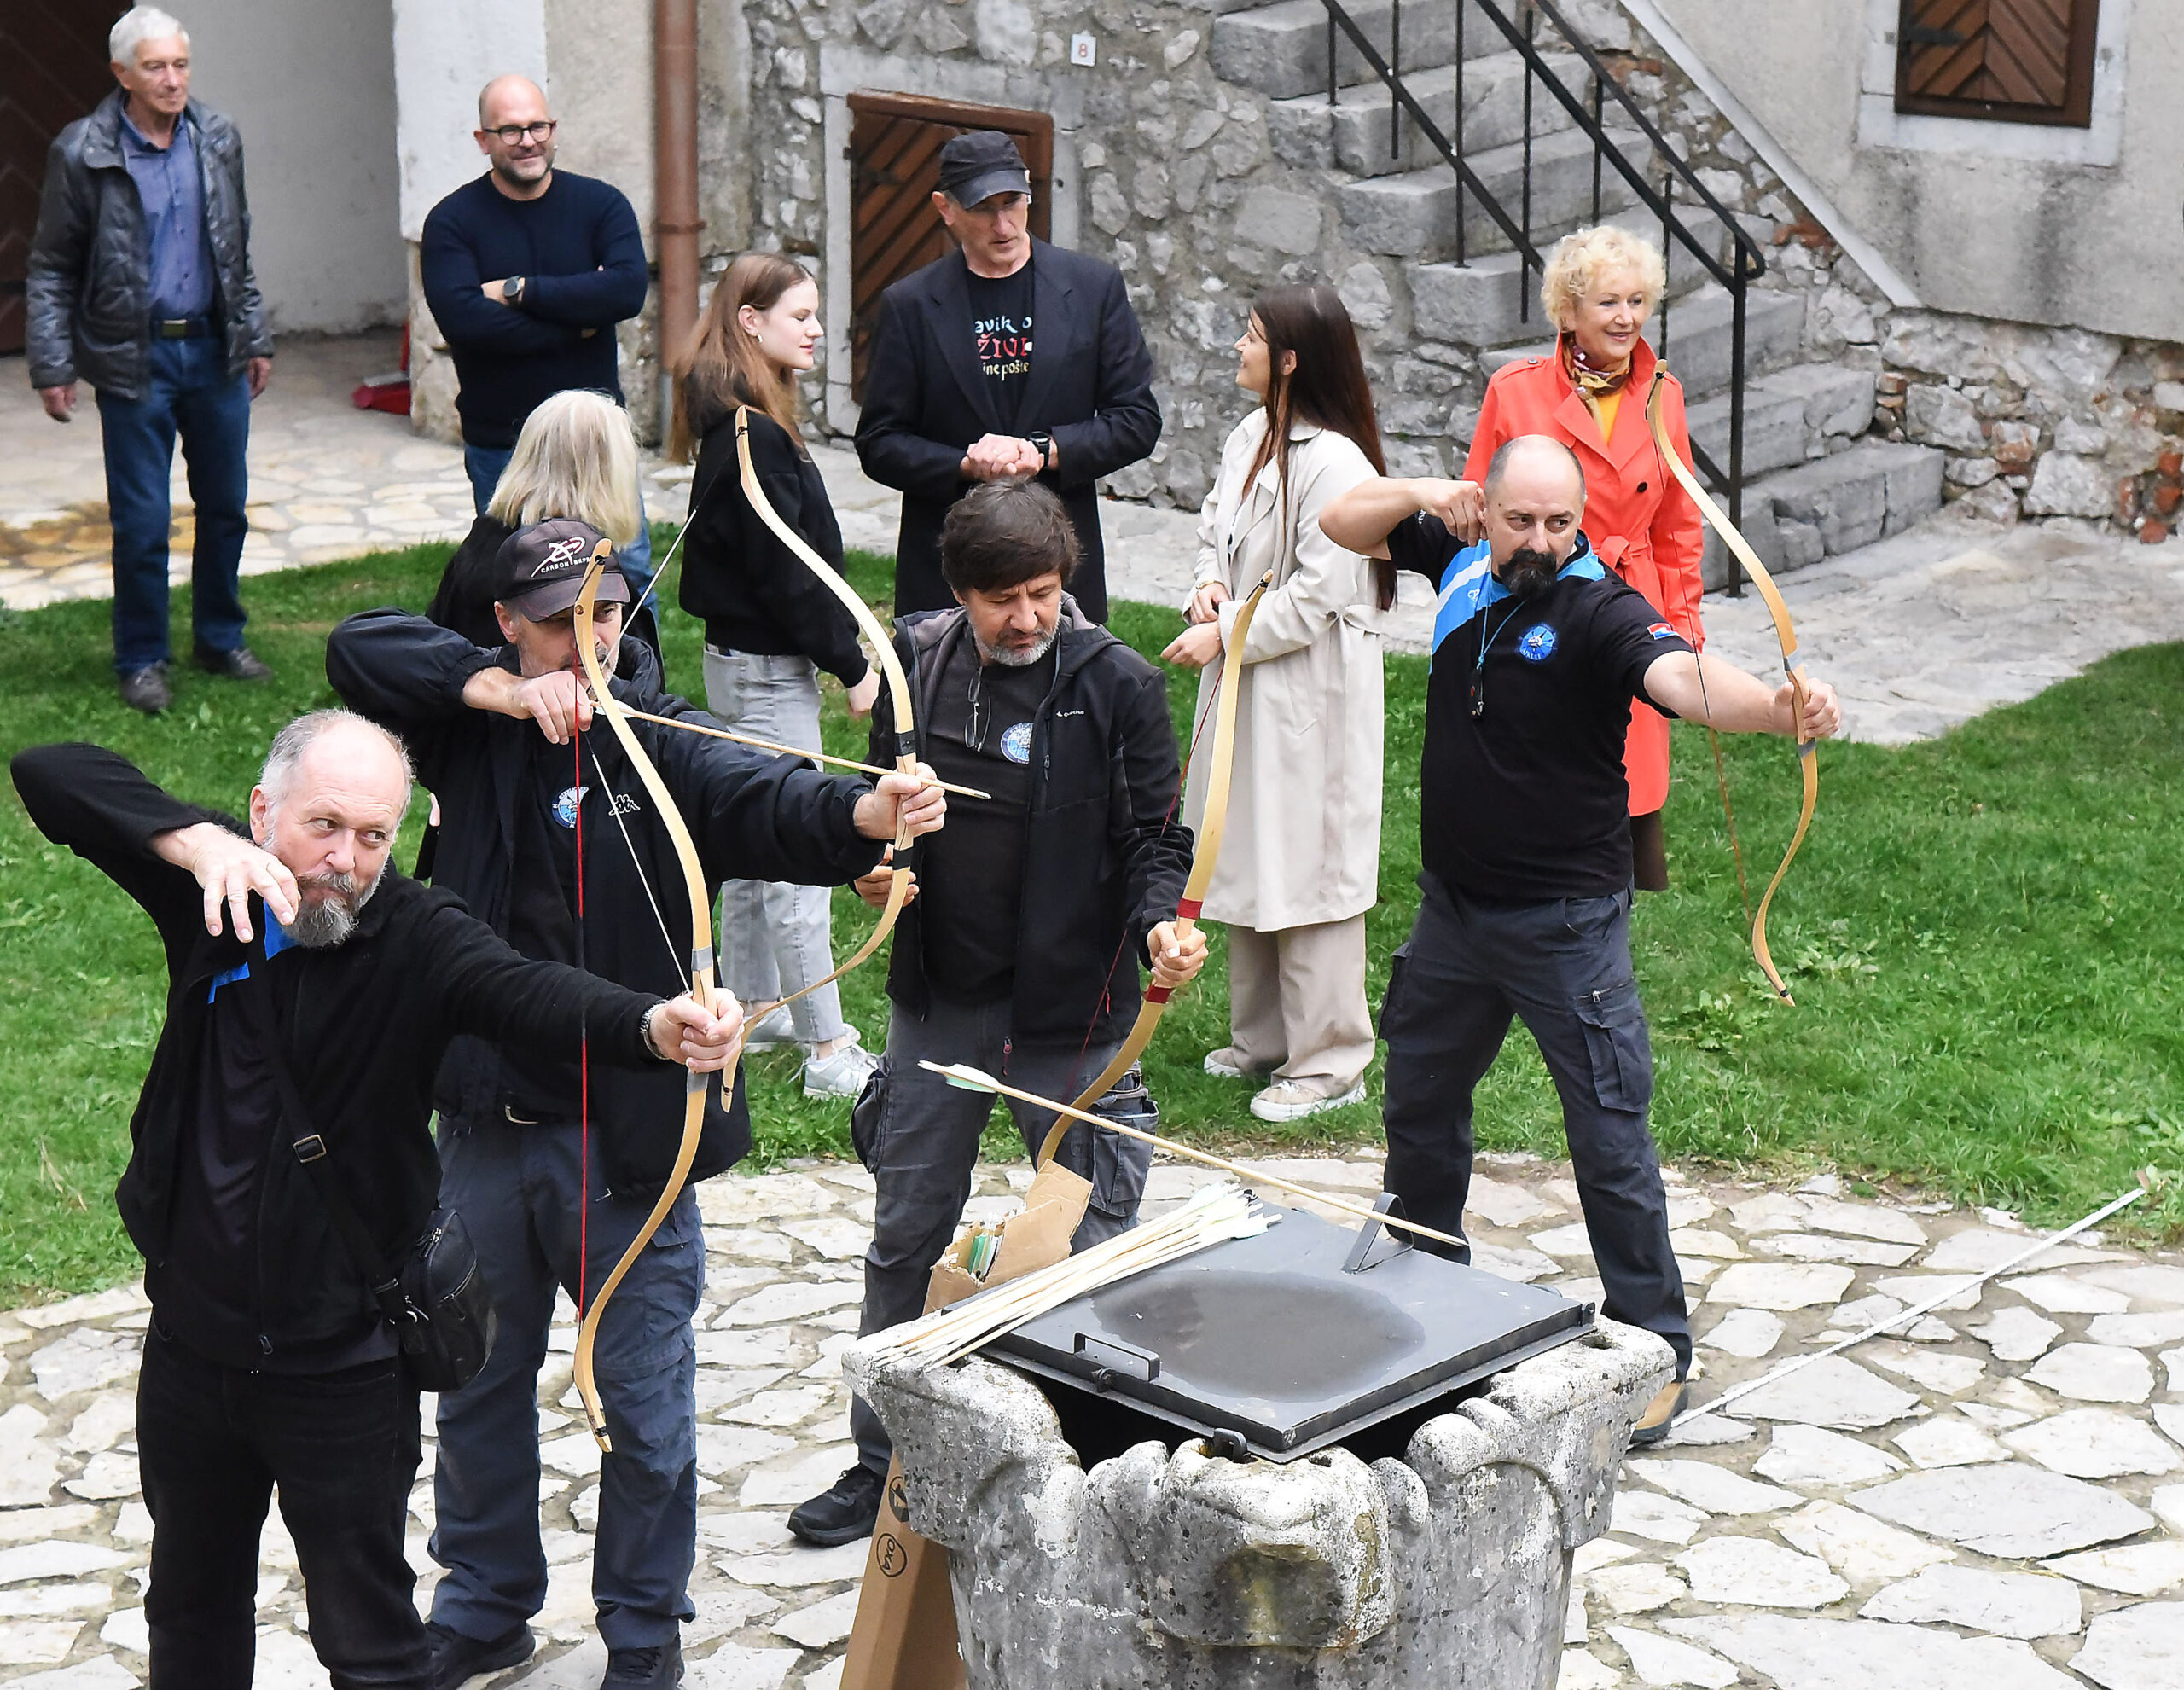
(720, 367)
(1328, 388)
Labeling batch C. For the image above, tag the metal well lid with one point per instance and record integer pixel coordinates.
(1275, 1338)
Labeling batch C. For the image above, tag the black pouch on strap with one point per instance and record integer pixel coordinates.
(435, 1298)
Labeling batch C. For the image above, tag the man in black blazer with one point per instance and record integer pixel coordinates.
(955, 393)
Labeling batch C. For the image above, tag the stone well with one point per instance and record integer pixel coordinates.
(1449, 1568)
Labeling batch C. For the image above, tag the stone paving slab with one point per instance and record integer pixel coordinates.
(1931, 1511)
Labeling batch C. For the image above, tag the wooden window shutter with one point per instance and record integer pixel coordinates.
(2006, 60)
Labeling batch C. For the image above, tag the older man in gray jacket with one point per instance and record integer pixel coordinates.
(139, 282)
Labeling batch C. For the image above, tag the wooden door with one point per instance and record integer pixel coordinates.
(2006, 60)
(55, 54)
(895, 142)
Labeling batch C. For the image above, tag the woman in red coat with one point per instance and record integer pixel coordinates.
(1600, 286)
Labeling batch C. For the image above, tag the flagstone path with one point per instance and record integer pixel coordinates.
(1992, 1500)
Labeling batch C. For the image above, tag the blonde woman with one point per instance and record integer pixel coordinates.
(1600, 287)
(1300, 862)
(576, 457)
(770, 626)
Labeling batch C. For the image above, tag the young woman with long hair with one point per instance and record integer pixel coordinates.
(1300, 862)
(770, 627)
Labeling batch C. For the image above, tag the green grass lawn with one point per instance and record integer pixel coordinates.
(1985, 936)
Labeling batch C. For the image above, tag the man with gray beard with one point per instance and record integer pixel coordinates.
(299, 948)
(1035, 911)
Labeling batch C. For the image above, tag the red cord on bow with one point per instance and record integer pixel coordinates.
(583, 1055)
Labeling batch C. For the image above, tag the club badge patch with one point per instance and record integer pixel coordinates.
(1660, 630)
(1537, 644)
(565, 807)
(1016, 743)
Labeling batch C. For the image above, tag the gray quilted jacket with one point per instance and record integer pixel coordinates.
(89, 314)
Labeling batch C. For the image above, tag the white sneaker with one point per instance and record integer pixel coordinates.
(1292, 1100)
(1224, 1063)
(772, 1030)
(840, 1075)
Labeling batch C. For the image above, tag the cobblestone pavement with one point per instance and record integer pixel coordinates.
(1993, 1500)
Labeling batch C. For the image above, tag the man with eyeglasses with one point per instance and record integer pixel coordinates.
(957, 392)
(527, 269)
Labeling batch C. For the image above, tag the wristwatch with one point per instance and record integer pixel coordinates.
(512, 289)
(1043, 443)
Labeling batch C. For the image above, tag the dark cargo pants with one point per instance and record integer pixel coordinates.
(1472, 965)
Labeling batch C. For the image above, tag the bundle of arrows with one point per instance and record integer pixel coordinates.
(1213, 1216)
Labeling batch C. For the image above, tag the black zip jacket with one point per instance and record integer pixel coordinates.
(363, 1033)
(753, 817)
(1106, 851)
(752, 592)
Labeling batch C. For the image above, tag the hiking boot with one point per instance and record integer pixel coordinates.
(1292, 1100)
(1660, 1414)
(242, 664)
(146, 689)
(843, 1514)
(456, 1659)
(843, 1074)
(660, 1664)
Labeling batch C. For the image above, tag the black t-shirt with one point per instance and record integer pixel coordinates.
(971, 873)
(1001, 325)
(206, 1290)
(1523, 792)
(542, 907)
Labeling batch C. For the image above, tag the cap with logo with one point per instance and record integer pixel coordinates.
(540, 569)
(978, 166)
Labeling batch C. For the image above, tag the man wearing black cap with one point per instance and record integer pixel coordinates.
(551, 839)
(957, 392)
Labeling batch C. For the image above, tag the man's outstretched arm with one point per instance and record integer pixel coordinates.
(1703, 689)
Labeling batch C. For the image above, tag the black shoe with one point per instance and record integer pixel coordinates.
(843, 1514)
(242, 664)
(146, 689)
(661, 1666)
(457, 1658)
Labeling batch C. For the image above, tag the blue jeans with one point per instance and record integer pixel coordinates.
(517, 1189)
(191, 394)
(483, 465)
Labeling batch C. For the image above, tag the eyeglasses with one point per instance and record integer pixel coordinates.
(512, 134)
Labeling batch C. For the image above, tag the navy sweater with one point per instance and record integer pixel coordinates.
(578, 247)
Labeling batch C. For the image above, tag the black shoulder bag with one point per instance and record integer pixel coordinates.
(435, 1298)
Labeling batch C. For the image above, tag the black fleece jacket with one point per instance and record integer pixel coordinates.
(753, 817)
(752, 592)
(1105, 854)
(364, 1033)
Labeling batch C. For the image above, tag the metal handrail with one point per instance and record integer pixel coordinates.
(1748, 261)
(1466, 177)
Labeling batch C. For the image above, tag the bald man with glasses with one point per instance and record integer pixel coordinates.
(528, 269)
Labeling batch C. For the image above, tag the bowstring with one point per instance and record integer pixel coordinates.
(637, 862)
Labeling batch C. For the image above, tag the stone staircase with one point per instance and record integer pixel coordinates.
(1813, 485)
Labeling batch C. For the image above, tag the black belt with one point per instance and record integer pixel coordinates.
(181, 328)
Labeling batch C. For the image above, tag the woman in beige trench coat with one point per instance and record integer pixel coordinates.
(1299, 865)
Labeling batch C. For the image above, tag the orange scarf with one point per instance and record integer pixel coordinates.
(1601, 390)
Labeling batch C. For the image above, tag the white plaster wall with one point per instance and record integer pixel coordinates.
(444, 51)
(311, 84)
(2005, 221)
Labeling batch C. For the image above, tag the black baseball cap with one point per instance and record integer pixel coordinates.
(978, 166)
(540, 570)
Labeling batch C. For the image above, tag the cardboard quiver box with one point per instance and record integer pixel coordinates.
(904, 1638)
